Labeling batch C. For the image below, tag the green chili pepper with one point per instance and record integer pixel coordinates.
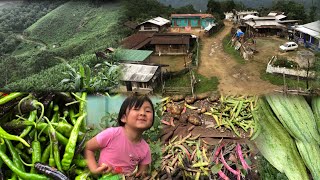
(10, 97)
(56, 114)
(63, 127)
(51, 158)
(5, 135)
(83, 176)
(13, 177)
(72, 116)
(24, 155)
(15, 156)
(3, 148)
(17, 171)
(80, 162)
(32, 118)
(70, 148)
(46, 154)
(17, 124)
(82, 107)
(44, 126)
(55, 145)
(49, 109)
(36, 152)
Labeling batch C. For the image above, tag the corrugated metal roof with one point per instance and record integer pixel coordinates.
(313, 29)
(191, 15)
(250, 16)
(315, 26)
(281, 16)
(133, 55)
(246, 12)
(264, 24)
(138, 40)
(170, 40)
(138, 72)
(158, 21)
(308, 31)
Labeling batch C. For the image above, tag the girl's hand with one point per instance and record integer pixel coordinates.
(104, 168)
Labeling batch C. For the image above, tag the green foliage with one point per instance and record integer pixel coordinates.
(205, 84)
(291, 82)
(48, 80)
(189, 9)
(89, 33)
(104, 77)
(214, 7)
(142, 10)
(230, 50)
(292, 9)
(267, 171)
(284, 62)
(21, 17)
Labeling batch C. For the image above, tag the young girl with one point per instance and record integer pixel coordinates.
(122, 148)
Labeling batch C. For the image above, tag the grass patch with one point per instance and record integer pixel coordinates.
(230, 50)
(203, 84)
(291, 82)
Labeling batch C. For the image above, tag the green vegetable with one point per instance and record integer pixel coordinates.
(17, 171)
(70, 148)
(10, 97)
(296, 116)
(15, 156)
(276, 145)
(5, 135)
(36, 152)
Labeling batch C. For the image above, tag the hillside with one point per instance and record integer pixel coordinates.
(72, 29)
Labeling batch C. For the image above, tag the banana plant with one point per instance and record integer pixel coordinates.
(104, 76)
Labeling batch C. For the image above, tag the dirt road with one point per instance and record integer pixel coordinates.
(234, 78)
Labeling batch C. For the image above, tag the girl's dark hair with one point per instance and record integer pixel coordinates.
(134, 101)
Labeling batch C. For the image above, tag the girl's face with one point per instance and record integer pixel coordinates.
(139, 118)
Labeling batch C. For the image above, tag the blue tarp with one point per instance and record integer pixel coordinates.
(239, 33)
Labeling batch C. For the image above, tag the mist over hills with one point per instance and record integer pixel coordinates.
(202, 4)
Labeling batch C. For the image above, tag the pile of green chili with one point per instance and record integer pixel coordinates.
(42, 135)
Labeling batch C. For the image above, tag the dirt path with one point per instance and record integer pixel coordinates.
(23, 38)
(234, 78)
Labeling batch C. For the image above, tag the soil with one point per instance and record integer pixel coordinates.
(234, 78)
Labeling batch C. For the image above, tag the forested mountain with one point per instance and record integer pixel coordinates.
(202, 4)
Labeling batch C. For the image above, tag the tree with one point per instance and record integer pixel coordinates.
(214, 7)
(228, 6)
(312, 13)
(292, 9)
(189, 9)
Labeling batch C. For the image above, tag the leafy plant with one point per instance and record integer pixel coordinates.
(284, 62)
(104, 77)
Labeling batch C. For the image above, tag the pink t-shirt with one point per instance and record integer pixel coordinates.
(117, 150)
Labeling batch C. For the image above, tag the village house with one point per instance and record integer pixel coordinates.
(157, 24)
(273, 24)
(140, 78)
(139, 40)
(134, 56)
(191, 20)
(308, 35)
(262, 26)
(171, 43)
(238, 15)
